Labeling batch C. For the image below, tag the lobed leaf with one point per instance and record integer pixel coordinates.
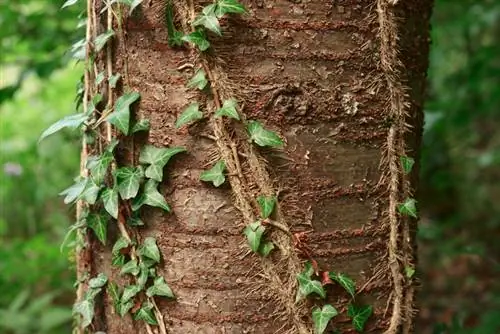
(151, 196)
(215, 174)
(210, 22)
(254, 232)
(157, 158)
(150, 250)
(344, 281)
(145, 313)
(101, 40)
(228, 109)
(189, 115)
(229, 7)
(321, 317)
(160, 288)
(266, 248)
(308, 286)
(407, 163)
(262, 136)
(72, 122)
(199, 39)
(120, 117)
(99, 224)
(198, 81)
(85, 308)
(266, 205)
(359, 315)
(142, 125)
(109, 197)
(408, 208)
(99, 281)
(128, 181)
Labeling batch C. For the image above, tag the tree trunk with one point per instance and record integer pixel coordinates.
(343, 83)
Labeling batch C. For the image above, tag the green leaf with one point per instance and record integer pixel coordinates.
(72, 122)
(408, 208)
(266, 248)
(409, 271)
(99, 281)
(102, 39)
(130, 292)
(321, 317)
(151, 196)
(114, 292)
(69, 3)
(208, 21)
(308, 269)
(109, 197)
(263, 137)
(91, 192)
(86, 309)
(199, 80)
(209, 9)
(123, 308)
(113, 80)
(266, 205)
(160, 288)
(98, 166)
(118, 260)
(150, 250)
(142, 125)
(407, 164)
(145, 313)
(99, 78)
(344, 281)
(215, 174)
(359, 315)
(135, 220)
(254, 232)
(120, 117)
(128, 181)
(229, 6)
(131, 267)
(73, 192)
(120, 244)
(143, 274)
(228, 109)
(190, 114)
(199, 39)
(98, 223)
(157, 158)
(308, 286)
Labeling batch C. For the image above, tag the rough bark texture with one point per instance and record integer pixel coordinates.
(340, 80)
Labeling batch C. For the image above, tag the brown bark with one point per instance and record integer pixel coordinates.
(339, 80)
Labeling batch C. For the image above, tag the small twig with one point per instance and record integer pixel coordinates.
(159, 317)
(236, 159)
(278, 225)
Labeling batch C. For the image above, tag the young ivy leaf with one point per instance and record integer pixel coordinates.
(160, 288)
(199, 39)
(150, 197)
(157, 158)
(344, 281)
(113, 80)
(409, 271)
(99, 281)
(128, 181)
(198, 81)
(109, 197)
(145, 314)
(102, 39)
(131, 267)
(85, 308)
(190, 114)
(150, 250)
(211, 22)
(99, 78)
(266, 248)
(262, 136)
(72, 122)
(99, 224)
(143, 274)
(229, 6)
(98, 166)
(74, 191)
(308, 286)
(408, 208)
(69, 3)
(129, 292)
(123, 308)
(228, 109)
(407, 164)
(142, 125)
(321, 317)
(91, 192)
(215, 174)
(359, 315)
(254, 232)
(120, 117)
(266, 205)
(120, 244)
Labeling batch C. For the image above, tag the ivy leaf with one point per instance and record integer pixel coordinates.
(199, 80)
(129, 181)
(118, 260)
(263, 137)
(344, 281)
(120, 117)
(99, 281)
(208, 21)
(308, 269)
(74, 191)
(308, 286)
(151, 196)
(129, 292)
(150, 250)
(72, 122)
(86, 309)
(135, 220)
(109, 197)
(102, 39)
(123, 308)
(229, 6)
(409, 271)
(254, 232)
(199, 39)
(98, 166)
(142, 125)
(130, 267)
(408, 208)
(145, 313)
(99, 78)
(190, 114)
(215, 174)
(120, 244)
(209, 9)
(160, 288)
(114, 292)
(228, 109)
(113, 80)
(69, 3)
(266, 205)
(359, 315)
(407, 164)
(143, 274)
(157, 158)
(266, 248)
(91, 192)
(321, 317)
(98, 223)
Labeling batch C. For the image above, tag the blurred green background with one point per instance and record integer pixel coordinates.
(459, 248)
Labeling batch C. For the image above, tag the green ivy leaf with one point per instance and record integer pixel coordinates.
(118, 260)
(359, 315)
(91, 192)
(131, 267)
(109, 197)
(190, 114)
(129, 292)
(229, 6)
(98, 166)
(73, 192)
(321, 317)
(72, 122)
(120, 244)
(135, 220)
(408, 208)
(308, 269)
(266, 248)
(99, 281)
(254, 232)
(215, 174)
(151, 196)
(102, 39)
(407, 164)
(143, 274)
(409, 271)
(266, 205)
(157, 158)
(344, 281)
(199, 80)
(199, 39)
(128, 181)
(150, 250)
(228, 109)
(160, 288)
(69, 3)
(208, 21)
(145, 313)
(99, 224)
(99, 78)
(86, 309)
(113, 80)
(263, 137)
(123, 308)
(120, 117)
(308, 286)
(114, 291)
(142, 125)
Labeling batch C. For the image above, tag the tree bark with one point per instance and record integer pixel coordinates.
(343, 81)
